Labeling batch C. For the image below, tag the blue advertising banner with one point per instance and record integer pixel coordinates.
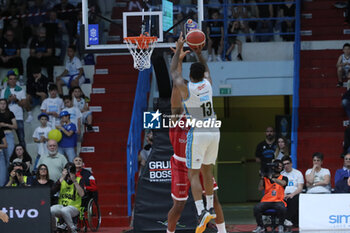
(93, 34)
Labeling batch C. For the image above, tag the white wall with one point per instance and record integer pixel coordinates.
(266, 51)
(251, 78)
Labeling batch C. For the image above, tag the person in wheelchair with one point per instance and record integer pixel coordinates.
(71, 192)
(90, 200)
(273, 184)
(88, 180)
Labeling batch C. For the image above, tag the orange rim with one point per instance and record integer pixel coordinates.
(141, 41)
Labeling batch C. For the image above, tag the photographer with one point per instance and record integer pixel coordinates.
(17, 174)
(273, 184)
(71, 192)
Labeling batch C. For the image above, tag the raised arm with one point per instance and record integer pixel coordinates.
(178, 80)
(176, 101)
(202, 60)
(339, 62)
(280, 182)
(182, 55)
(310, 178)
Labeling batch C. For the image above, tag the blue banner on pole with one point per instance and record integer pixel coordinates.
(93, 34)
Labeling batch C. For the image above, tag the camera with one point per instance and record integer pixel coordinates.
(19, 172)
(70, 167)
(269, 169)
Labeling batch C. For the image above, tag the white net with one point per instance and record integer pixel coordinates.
(141, 50)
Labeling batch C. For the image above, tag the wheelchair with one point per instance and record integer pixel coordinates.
(90, 214)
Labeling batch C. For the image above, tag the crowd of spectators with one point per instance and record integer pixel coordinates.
(249, 19)
(64, 115)
(70, 183)
(317, 179)
(59, 17)
(26, 89)
(56, 113)
(54, 25)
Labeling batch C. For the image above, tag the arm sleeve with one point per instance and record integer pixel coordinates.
(43, 105)
(79, 115)
(35, 134)
(56, 187)
(300, 179)
(327, 172)
(338, 176)
(286, 180)
(92, 187)
(21, 95)
(12, 116)
(78, 64)
(308, 171)
(258, 151)
(73, 127)
(89, 180)
(81, 184)
(61, 103)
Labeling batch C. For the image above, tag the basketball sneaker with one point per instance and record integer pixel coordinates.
(62, 226)
(280, 229)
(29, 118)
(259, 229)
(288, 223)
(212, 212)
(203, 220)
(74, 229)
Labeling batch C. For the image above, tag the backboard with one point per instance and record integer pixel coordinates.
(124, 18)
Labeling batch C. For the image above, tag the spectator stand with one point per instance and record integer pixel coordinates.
(24, 56)
(89, 71)
(31, 147)
(29, 128)
(226, 19)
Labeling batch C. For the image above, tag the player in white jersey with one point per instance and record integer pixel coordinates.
(343, 65)
(202, 145)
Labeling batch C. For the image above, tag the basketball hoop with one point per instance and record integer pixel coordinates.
(141, 48)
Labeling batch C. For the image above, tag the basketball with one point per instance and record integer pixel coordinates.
(195, 38)
(55, 134)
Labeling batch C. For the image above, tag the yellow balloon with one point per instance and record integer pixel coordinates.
(55, 134)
